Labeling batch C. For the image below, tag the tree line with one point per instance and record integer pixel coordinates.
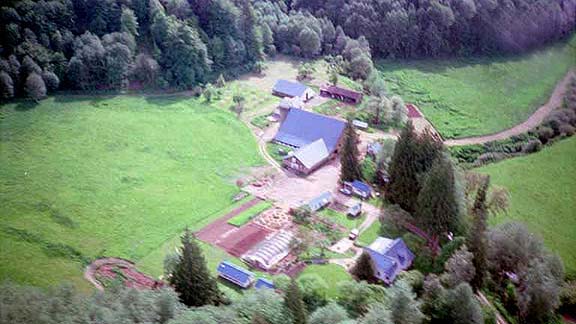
(177, 44)
(428, 28)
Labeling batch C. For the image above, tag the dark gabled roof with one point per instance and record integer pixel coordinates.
(355, 209)
(264, 283)
(361, 186)
(319, 202)
(302, 127)
(343, 92)
(389, 256)
(235, 274)
(290, 88)
(383, 264)
(312, 154)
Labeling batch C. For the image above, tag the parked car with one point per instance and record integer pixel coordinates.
(346, 191)
(354, 234)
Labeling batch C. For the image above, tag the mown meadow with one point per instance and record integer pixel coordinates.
(84, 177)
(542, 187)
(477, 96)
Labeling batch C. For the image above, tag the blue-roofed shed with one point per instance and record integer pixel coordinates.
(262, 283)
(320, 202)
(235, 274)
(302, 127)
(359, 188)
(291, 89)
(389, 257)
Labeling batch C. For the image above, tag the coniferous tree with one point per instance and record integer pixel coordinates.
(363, 270)
(477, 236)
(252, 36)
(437, 209)
(294, 304)
(403, 188)
(349, 165)
(191, 278)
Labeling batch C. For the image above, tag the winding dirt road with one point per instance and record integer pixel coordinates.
(534, 120)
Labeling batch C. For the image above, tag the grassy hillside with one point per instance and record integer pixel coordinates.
(469, 97)
(83, 177)
(543, 187)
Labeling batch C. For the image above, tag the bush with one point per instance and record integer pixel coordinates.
(531, 147)
(545, 134)
(566, 130)
(490, 158)
(568, 297)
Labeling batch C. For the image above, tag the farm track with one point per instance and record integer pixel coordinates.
(533, 121)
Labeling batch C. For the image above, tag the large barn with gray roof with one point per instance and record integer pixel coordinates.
(314, 137)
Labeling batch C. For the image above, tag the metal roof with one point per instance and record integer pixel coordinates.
(302, 127)
(359, 123)
(355, 209)
(264, 283)
(290, 88)
(361, 186)
(342, 92)
(270, 251)
(235, 274)
(312, 154)
(317, 203)
(389, 257)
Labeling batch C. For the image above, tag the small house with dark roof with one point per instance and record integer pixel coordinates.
(359, 188)
(388, 258)
(307, 158)
(355, 210)
(320, 202)
(292, 89)
(235, 274)
(342, 94)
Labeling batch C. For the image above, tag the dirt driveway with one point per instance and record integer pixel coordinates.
(289, 190)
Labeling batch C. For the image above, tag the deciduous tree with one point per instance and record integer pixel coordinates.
(35, 87)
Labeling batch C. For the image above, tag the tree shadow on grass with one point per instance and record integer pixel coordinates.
(26, 105)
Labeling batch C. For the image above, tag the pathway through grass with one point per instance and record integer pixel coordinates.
(471, 97)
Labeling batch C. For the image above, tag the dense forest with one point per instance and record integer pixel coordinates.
(181, 44)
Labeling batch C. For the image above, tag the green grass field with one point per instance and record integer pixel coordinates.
(369, 235)
(542, 187)
(83, 177)
(245, 216)
(342, 219)
(470, 97)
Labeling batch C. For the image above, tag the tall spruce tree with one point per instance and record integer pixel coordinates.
(477, 237)
(437, 209)
(191, 278)
(349, 165)
(294, 304)
(363, 270)
(404, 187)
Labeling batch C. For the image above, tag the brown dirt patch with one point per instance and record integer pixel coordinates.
(106, 270)
(234, 240)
